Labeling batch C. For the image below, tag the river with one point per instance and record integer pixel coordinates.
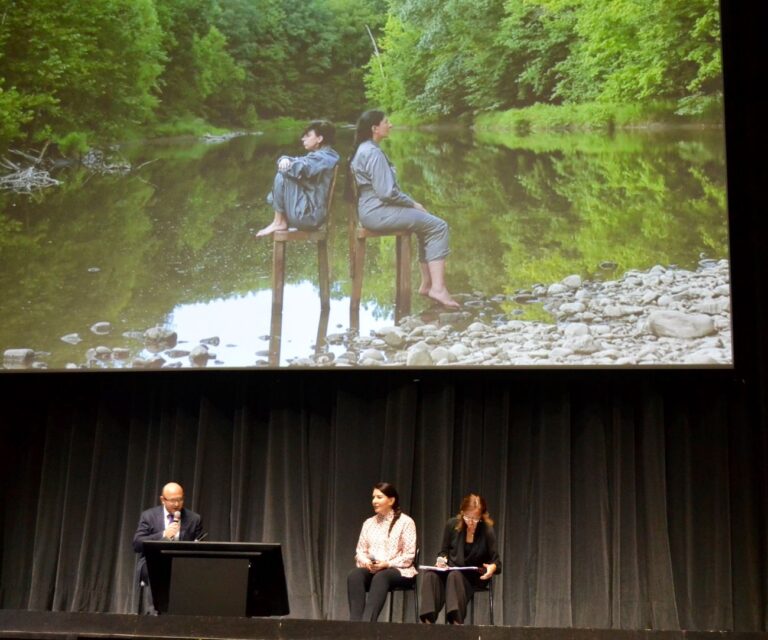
(169, 244)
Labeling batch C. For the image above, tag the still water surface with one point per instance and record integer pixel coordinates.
(169, 244)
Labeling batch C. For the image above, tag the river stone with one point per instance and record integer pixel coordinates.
(705, 356)
(569, 308)
(572, 282)
(71, 338)
(556, 288)
(582, 344)
(199, 355)
(560, 352)
(395, 339)
(439, 354)
(459, 350)
(183, 353)
(419, 358)
(722, 290)
(156, 362)
(103, 353)
(120, 353)
(372, 354)
(419, 346)
(213, 341)
(18, 356)
(712, 307)
(676, 324)
(161, 335)
(620, 310)
(101, 328)
(575, 329)
(172, 365)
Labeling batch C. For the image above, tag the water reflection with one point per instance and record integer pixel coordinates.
(170, 245)
(243, 325)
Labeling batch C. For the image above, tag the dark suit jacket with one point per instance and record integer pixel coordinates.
(482, 551)
(151, 526)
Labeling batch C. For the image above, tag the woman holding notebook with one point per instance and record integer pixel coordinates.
(468, 541)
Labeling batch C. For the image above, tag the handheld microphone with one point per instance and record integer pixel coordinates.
(176, 516)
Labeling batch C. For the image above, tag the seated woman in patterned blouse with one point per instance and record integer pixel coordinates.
(385, 553)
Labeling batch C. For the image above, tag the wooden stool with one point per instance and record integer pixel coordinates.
(320, 237)
(357, 237)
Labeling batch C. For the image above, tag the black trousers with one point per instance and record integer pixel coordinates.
(454, 589)
(377, 585)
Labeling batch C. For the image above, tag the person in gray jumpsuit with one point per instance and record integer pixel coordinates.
(301, 185)
(381, 206)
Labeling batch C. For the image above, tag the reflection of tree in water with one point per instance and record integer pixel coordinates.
(520, 216)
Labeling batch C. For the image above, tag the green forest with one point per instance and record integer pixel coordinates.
(74, 71)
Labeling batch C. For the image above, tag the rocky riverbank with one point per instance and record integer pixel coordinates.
(663, 316)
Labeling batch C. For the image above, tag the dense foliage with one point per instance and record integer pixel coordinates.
(467, 56)
(103, 67)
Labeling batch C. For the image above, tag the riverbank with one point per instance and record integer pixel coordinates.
(665, 316)
(661, 317)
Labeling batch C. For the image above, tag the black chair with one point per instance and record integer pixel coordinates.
(486, 585)
(410, 587)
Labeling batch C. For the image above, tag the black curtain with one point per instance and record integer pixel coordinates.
(619, 503)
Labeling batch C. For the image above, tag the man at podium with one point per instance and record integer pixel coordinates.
(170, 520)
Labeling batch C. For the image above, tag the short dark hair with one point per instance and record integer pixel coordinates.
(323, 128)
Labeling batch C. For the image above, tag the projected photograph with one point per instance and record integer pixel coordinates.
(536, 183)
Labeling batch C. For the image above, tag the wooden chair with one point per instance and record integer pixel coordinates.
(320, 237)
(357, 237)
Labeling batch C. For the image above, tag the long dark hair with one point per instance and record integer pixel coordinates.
(363, 131)
(389, 490)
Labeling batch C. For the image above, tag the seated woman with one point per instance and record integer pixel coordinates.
(301, 184)
(383, 207)
(468, 541)
(385, 552)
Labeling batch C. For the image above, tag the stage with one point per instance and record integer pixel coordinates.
(46, 625)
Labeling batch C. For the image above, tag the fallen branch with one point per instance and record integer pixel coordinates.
(26, 180)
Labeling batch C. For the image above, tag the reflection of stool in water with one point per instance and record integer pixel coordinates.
(357, 237)
(320, 237)
(276, 331)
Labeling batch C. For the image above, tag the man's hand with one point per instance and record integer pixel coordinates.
(172, 530)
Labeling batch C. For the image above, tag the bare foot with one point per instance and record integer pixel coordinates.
(270, 229)
(444, 298)
(424, 290)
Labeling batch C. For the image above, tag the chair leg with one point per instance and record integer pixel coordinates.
(403, 276)
(391, 601)
(278, 273)
(490, 601)
(324, 276)
(357, 280)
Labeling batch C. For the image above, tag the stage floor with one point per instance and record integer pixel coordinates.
(46, 625)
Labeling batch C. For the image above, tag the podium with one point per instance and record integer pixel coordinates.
(217, 578)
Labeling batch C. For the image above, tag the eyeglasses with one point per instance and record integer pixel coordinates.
(470, 519)
(173, 500)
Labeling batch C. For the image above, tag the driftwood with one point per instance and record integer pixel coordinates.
(26, 179)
